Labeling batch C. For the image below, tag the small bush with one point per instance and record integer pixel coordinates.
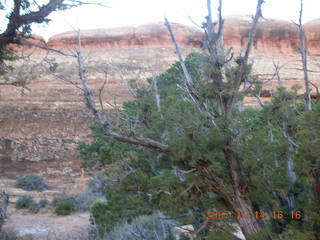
(143, 227)
(82, 201)
(31, 183)
(43, 203)
(25, 201)
(97, 184)
(8, 234)
(35, 207)
(65, 207)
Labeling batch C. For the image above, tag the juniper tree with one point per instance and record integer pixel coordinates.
(20, 15)
(183, 145)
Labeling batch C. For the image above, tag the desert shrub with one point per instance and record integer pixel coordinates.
(31, 183)
(43, 203)
(26, 201)
(97, 184)
(147, 227)
(8, 234)
(36, 206)
(65, 207)
(82, 201)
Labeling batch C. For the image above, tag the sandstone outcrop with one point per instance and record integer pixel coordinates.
(145, 36)
(312, 29)
(40, 127)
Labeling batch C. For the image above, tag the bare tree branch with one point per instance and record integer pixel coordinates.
(317, 90)
(259, 99)
(100, 94)
(277, 73)
(45, 47)
(105, 125)
(157, 95)
(303, 53)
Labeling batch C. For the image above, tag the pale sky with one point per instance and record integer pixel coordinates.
(137, 12)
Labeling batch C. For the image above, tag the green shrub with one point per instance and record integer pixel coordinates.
(26, 201)
(82, 201)
(31, 183)
(65, 207)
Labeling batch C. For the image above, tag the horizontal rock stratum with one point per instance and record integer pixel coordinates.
(152, 35)
(41, 126)
(271, 34)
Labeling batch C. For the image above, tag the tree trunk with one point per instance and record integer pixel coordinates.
(241, 202)
(248, 223)
(4, 199)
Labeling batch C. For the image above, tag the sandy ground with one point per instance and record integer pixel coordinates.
(48, 227)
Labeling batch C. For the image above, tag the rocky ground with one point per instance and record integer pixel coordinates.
(46, 225)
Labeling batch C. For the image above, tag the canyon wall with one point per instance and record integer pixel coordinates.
(40, 126)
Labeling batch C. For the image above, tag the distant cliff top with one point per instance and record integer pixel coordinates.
(271, 34)
(151, 35)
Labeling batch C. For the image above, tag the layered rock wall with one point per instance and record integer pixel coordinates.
(41, 126)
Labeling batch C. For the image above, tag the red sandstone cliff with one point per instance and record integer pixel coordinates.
(153, 35)
(279, 36)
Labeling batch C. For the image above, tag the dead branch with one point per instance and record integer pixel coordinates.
(252, 33)
(317, 90)
(303, 53)
(131, 90)
(157, 95)
(277, 73)
(100, 94)
(45, 47)
(67, 80)
(259, 99)
(105, 125)
(214, 42)
(193, 22)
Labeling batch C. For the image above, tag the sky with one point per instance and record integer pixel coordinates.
(136, 12)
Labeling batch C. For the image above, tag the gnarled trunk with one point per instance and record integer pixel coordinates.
(248, 223)
(241, 202)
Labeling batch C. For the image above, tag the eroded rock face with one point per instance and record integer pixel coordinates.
(40, 129)
(145, 36)
(277, 36)
(312, 30)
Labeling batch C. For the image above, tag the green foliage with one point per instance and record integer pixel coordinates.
(65, 207)
(81, 201)
(263, 140)
(25, 201)
(31, 183)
